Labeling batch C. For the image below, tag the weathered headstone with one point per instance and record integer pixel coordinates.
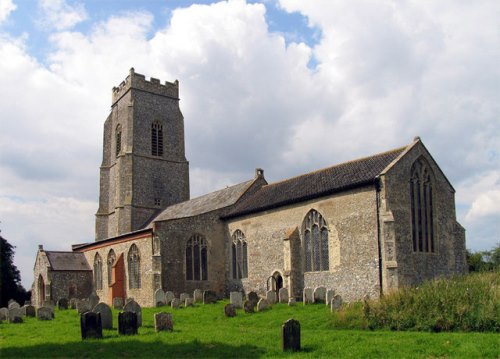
(90, 325)
(189, 302)
(118, 303)
(291, 302)
(93, 299)
(198, 295)
(249, 306)
(236, 299)
(48, 303)
(62, 303)
(44, 313)
(183, 297)
(175, 303)
(72, 303)
(230, 310)
(13, 305)
(106, 315)
(27, 302)
(308, 296)
(127, 323)
(83, 306)
(290, 335)
(209, 297)
(319, 295)
(132, 306)
(159, 297)
(263, 304)
(15, 315)
(253, 297)
(129, 299)
(4, 313)
(336, 303)
(169, 295)
(283, 295)
(10, 301)
(164, 322)
(28, 310)
(329, 296)
(271, 296)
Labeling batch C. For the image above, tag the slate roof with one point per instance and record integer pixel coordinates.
(67, 261)
(203, 204)
(316, 184)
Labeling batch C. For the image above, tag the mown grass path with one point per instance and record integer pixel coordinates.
(204, 332)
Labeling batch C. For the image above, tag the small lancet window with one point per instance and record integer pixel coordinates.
(315, 242)
(111, 260)
(134, 267)
(118, 138)
(239, 255)
(156, 139)
(98, 272)
(196, 258)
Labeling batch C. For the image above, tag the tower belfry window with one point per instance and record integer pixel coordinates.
(118, 138)
(157, 139)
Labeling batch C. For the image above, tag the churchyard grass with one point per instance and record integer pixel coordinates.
(204, 332)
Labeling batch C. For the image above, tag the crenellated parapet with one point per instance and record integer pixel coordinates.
(139, 82)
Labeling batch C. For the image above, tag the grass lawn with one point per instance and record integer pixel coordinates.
(203, 331)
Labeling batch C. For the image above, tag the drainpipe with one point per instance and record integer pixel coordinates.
(377, 201)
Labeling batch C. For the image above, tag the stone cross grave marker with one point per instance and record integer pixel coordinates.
(91, 325)
(106, 315)
(164, 322)
(127, 323)
(290, 335)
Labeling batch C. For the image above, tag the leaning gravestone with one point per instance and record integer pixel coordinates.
(169, 295)
(15, 315)
(236, 299)
(14, 305)
(93, 299)
(28, 310)
(132, 306)
(271, 296)
(308, 296)
(175, 303)
(106, 315)
(283, 295)
(118, 303)
(198, 295)
(159, 297)
(290, 335)
(319, 295)
(183, 297)
(336, 303)
(127, 323)
(83, 306)
(44, 313)
(4, 313)
(62, 304)
(189, 302)
(249, 306)
(329, 296)
(263, 304)
(164, 322)
(209, 297)
(90, 325)
(253, 297)
(230, 310)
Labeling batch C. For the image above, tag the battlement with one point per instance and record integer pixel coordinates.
(138, 81)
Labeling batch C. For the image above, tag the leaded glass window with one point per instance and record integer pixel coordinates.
(157, 139)
(315, 242)
(110, 262)
(196, 258)
(134, 267)
(98, 272)
(239, 255)
(118, 140)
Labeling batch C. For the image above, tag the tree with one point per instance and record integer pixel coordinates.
(484, 261)
(10, 278)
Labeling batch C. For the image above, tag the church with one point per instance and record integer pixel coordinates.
(363, 227)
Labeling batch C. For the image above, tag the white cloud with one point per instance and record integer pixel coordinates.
(59, 15)
(6, 7)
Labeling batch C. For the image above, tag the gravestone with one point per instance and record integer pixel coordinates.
(189, 302)
(236, 299)
(27, 302)
(62, 304)
(329, 296)
(72, 303)
(129, 299)
(183, 297)
(159, 297)
(132, 306)
(13, 305)
(198, 295)
(164, 322)
(319, 295)
(106, 315)
(93, 299)
(308, 296)
(44, 313)
(336, 303)
(290, 335)
(248, 306)
(83, 306)
(230, 310)
(118, 303)
(4, 313)
(28, 310)
(291, 302)
(283, 295)
(48, 303)
(175, 303)
(10, 301)
(169, 295)
(15, 315)
(253, 297)
(271, 296)
(90, 325)
(209, 297)
(127, 323)
(263, 304)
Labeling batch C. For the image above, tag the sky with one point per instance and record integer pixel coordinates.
(286, 85)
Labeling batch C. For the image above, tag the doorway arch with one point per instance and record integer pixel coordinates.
(275, 282)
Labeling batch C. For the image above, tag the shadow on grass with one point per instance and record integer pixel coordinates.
(102, 348)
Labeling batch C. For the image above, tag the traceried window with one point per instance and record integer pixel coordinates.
(156, 139)
(111, 260)
(196, 258)
(118, 140)
(422, 213)
(239, 255)
(134, 267)
(98, 272)
(315, 242)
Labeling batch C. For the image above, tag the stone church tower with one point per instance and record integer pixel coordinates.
(144, 168)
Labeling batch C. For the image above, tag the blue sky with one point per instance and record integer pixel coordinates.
(287, 85)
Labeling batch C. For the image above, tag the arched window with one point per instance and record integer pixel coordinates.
(315, 242)
(239, 255)
(98, 272)
(118, 138)
(196, 258)
(157, 139)
(422, 216)
(110, 262)
(134, 267)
